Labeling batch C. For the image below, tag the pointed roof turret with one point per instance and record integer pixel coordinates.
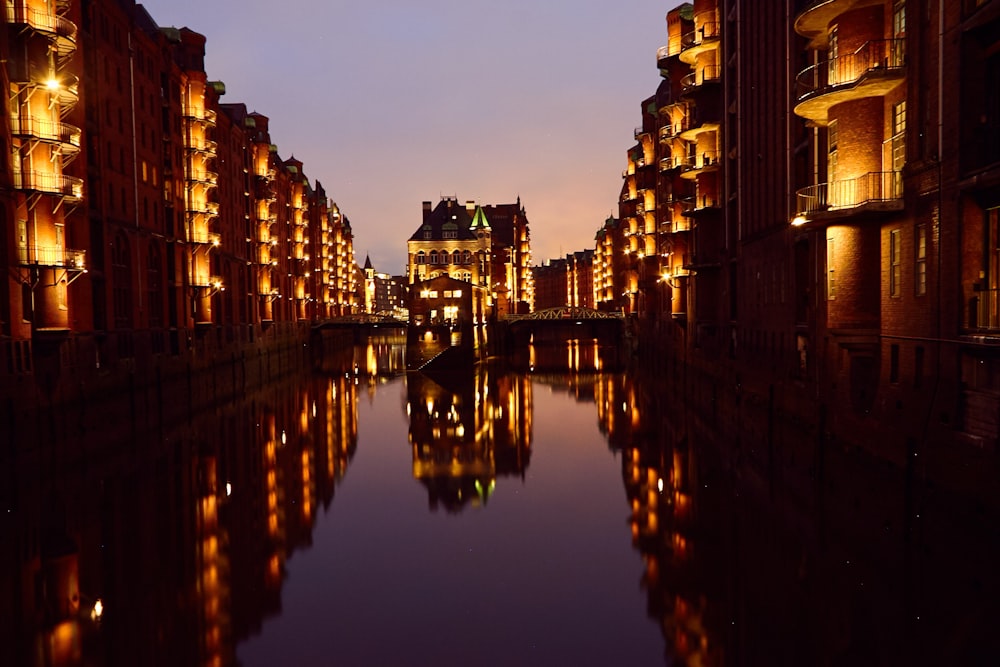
(479, 220)
(368, 262)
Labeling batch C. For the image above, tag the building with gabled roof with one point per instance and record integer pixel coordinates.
(454, 240)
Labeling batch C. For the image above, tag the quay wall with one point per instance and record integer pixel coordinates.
(54, 392)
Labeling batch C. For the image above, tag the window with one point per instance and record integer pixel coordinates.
(427, 235)
(898, 145)
(895, 265)
(466, 257)
(832, 52)
(831, 281)
(832, 137)
(434, 256)
(456, 257)
(421, 258)
(920, 280)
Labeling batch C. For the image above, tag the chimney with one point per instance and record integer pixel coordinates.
(470, 206)
(427, 209)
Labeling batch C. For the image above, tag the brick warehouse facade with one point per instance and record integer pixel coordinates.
(834, 254)
(143, 217)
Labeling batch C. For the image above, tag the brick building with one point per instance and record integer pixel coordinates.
(139, 209)
(837, 244)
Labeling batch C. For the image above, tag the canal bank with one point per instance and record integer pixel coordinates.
(58, 391)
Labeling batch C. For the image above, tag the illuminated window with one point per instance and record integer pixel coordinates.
(895, 265)
(921, 266)
(831, 281)
(434, 256)
(456, 257)
(458, 294)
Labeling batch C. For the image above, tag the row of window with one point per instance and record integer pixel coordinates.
(895, 263)
(444, 257)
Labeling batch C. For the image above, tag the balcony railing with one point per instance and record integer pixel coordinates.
(50, 183)
(880, 56)
(701, 160)
(46, 130)
(204, 177)
(204, 236)
(708, 74)
(200, 114)
(707, 31)
(52, 256)
(19, 13)
(209, 147)
(671, 48)
(873, 187)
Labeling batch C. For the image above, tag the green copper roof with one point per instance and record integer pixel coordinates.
(479, 220)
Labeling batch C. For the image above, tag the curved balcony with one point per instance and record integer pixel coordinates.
(204, 208)
(673, 130)
(204, 147)
(200, 114)
(874, 191)
(58, 28)
(64, 88)
(52, 256)
(874, 69)
(46, 182)
(671, 163)
(66, 135)
(210, 282)
(667, 51)
(815, 18)
(695, 80)
(204, 177)
(698, 41)
(691, 133)
(701, 163)
(693, 207)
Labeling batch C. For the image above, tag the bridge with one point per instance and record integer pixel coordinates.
(557, 325)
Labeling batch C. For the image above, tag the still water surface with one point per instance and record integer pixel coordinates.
(538, 570)
(554, 512)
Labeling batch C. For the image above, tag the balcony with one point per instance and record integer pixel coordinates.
(671, 162)
(204, 147)
(204, 208)
(52, 256)
(814, 20)
(673, 130)
(204, 177)
(873, 70)
(698, 164)
(695, 80)
(695, 127)
(61, 29)
(42, 129)
(698, 41)
(200, 114)
(694, 207)
(667, 51)
(46, 182)
(874, 191)
(204, 237)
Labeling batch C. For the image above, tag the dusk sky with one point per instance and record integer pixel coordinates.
(393, 102)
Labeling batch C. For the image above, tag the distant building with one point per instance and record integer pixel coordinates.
(550, 284)
(488, 246)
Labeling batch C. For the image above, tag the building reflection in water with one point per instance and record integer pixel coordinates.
(126, 548)
(467, 428)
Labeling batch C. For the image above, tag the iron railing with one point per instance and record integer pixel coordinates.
(875, 186)
(876, 56)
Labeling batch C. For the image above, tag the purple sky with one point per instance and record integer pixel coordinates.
(392, 102)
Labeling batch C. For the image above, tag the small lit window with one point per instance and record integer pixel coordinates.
(895, 265)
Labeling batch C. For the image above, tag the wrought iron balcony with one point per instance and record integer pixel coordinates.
(694, 80)
(50, 183)
(881, 190)
(874, 69)
(200, 114)
(204, 177)
(698, 41)
(44, 129)
(706, 160)
(668, 50)
(52, 256)
(18, 12)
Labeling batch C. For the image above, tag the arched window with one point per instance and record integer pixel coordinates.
(434, 256)
(421, 257)
(466, 257)
(456, 257)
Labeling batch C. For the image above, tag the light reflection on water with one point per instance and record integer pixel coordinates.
(560, 513)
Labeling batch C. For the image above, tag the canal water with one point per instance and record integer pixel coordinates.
(556, 510)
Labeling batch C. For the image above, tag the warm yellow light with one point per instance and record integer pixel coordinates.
(52, 84)
(798, 221)
(98, 611)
